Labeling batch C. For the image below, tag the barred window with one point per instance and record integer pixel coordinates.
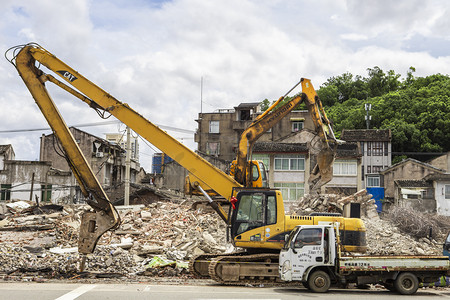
(377, 148)
(214, 126)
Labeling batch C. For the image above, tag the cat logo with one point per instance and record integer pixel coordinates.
(67, 75)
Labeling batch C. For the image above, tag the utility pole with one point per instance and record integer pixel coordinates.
(127, 168)
(32, 187)
(201, 95)
(368, 107)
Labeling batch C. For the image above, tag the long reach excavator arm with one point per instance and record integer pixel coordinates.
(26, 59)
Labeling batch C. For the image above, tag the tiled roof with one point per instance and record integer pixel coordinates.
(413, 161)
(413, 183)
(347, 150)
(435, 177)
(279, 147)
(363, 135)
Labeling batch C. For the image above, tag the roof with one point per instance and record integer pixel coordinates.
(347, 150)
(248, 105)
(413, 183)
(4, 148)
(412, 160)
(102, 140)
(280, 147)
(366, 135)
(438, 177)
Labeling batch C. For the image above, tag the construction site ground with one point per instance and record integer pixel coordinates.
(155, 241)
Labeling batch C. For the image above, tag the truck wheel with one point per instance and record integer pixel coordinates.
(305, 284)
(390, 287)
(406, 283)
(319, 282)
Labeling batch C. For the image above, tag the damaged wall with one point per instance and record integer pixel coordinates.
(49, 184)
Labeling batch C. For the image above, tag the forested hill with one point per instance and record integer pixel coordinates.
(416, 109)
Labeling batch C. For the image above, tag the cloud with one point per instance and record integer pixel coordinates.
(153, 54)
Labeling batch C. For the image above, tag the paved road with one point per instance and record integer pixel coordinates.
(46, 291)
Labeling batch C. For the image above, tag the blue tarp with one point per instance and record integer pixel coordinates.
(377, 194)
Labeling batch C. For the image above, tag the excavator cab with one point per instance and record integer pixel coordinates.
(255, 216)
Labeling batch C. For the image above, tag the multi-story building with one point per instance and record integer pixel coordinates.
(287, 149)
(218, 133)
(121, 140)
(106, 159)
(32, 180)
(376, 150)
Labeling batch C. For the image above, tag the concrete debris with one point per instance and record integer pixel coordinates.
(384, 238)
(164, 231)
(332, 203)
(397, 232)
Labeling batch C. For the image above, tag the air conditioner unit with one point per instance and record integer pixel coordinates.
(99, 154)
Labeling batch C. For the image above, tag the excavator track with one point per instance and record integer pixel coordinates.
(199, 265)
(253, 269)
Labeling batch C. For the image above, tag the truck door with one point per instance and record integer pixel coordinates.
(307, 251)
(446, 251)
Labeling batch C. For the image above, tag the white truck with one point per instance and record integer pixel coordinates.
(312, 256)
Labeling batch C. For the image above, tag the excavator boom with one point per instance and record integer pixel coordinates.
(322, 172)
(26, 58)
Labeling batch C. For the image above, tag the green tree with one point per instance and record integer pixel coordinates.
(416, 109)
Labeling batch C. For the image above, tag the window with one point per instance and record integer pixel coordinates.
(373, 181)
(447, 191)
(264, 158)
(377, 148)
(362, 148)
(291, 191)
(369, 148)
(376, 169)
(213, 148)
(289, 163)
(297, 126)
(344, 167)
(386, 149)
(214, 126)
(245, 115)
(46, 192)
(308, 236)
(271, 214)
(5, 192)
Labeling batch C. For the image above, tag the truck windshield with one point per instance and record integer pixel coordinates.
(290, 238)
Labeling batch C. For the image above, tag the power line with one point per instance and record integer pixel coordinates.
(181, 130)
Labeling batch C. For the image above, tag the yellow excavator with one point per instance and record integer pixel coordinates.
(252, 173)
(256, 218)
(241, 168)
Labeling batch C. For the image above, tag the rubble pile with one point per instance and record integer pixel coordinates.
(156, 240)
(384, 238)
(335, 204)
(396, 233)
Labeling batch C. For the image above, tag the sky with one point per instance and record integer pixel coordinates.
(154, 54)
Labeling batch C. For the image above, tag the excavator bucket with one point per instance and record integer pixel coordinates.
(323, 170)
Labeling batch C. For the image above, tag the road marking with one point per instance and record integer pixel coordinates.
(147, 288)
(77, 292)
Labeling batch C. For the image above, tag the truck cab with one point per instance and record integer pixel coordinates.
(307, 248)
(312, 256)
